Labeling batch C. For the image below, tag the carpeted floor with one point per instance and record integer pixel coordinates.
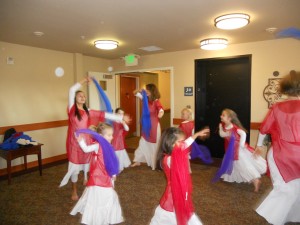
(32, 199)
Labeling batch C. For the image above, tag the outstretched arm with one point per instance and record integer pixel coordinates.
(73, 90)
(87, 148)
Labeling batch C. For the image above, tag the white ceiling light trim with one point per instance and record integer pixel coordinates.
(106, 44)
(232, 21)
(213, 43)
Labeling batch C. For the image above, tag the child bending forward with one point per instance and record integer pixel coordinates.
(176, 207)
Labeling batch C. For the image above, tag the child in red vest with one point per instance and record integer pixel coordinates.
(176, 207)
(118, 142)
(99, 204)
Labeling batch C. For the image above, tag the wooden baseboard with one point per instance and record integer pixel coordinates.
(33, 164)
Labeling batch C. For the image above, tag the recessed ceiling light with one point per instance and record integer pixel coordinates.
(213, 43)
(38, 33)
(232, 21)
(151, 48)
(106, 44)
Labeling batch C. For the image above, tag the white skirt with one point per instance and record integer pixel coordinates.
(147, 151)
(73, 171)
(283, 202)
(99, 206)
(246, 168)
(163, 217)
(124, 160)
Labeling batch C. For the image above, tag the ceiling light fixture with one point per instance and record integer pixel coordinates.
(232, 21)
(213, 43)
(106, 44)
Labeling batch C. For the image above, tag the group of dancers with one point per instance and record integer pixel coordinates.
(100, 150)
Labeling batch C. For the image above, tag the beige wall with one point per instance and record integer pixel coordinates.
(267, 56)
(164, 87)
(31, 93)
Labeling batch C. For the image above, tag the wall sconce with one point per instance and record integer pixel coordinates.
(232, 21)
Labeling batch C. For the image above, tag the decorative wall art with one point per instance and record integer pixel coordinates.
(271, 92)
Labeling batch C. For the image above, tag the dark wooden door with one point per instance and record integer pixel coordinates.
(128, 100)
(222, 83)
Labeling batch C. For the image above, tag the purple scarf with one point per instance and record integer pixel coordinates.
(111, 161)
(227, 163)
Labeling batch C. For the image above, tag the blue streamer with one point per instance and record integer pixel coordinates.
(289, 32)
(111, 161)
(201, 152)
(103, 97)
(227, 163)
(145, 120)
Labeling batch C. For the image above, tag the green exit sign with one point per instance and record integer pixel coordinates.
(131, 60)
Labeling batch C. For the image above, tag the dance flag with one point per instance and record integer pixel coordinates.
(145, 120)
(104, 100)
(111, 161)
(201, 152)
(227, 163)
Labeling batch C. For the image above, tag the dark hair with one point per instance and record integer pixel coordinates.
(77, 113)
(167, 141)
(290, 84)
(154, 91)
(118, 109)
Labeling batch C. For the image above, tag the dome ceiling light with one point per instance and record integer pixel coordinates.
(213, 44)
(106, 44)
(232, 21)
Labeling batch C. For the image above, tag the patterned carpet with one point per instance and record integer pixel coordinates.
(37, 200)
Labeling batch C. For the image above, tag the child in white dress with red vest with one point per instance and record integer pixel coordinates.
(118, 142)
(99, 204)
(240, 162)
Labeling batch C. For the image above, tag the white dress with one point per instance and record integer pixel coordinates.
(283, 202)
(147, 151)
(163, 217)
(98, 205)
(247, 167)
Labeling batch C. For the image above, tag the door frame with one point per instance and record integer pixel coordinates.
(201, 96)
(171, 69)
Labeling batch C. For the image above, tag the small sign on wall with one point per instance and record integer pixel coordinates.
(188, 91)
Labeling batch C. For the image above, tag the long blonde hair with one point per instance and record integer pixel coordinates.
(234, 118)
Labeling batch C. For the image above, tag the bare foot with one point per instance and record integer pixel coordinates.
(135, 164)
(74, 197)
(257, 183)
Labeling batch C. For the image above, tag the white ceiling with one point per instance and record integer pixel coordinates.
(172, 25)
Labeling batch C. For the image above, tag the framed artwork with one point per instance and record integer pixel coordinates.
(271, 92)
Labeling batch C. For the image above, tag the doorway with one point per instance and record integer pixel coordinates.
(129, 81)
(222, 83)
(128, 101)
